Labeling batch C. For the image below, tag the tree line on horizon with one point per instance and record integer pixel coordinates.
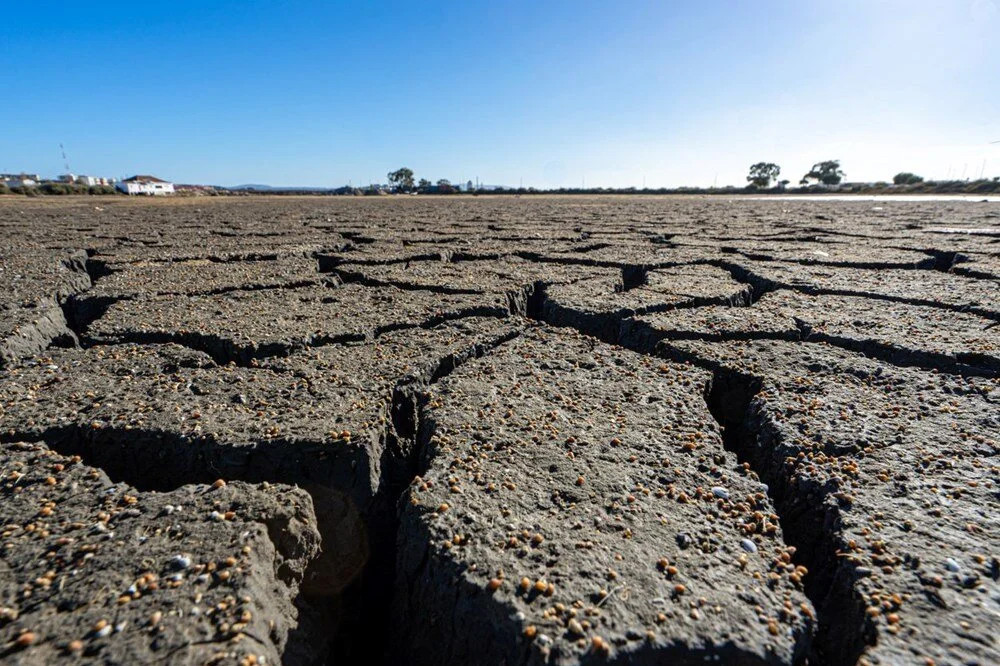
(827, 172)
(824, 176)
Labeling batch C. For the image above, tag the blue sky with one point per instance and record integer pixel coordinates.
(554, 93)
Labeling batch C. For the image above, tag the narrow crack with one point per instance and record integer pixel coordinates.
(924, 302)
(224, 351)
(756, 284)
(370, 596)
(944, 260)
(926, 264)
(52, 320)
(807, 522)
(357, 277)
(763, 285)
(153, 459)
(634, 276)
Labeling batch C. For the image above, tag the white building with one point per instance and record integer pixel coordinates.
(19, 179)
(93, 180)
(90, 181)
(148, 185)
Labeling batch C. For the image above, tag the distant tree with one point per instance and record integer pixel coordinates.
(783, 183)
(906, 178)
(827, 172)
(401, 179)
(423, 184)
(762, 173)
(443, 182)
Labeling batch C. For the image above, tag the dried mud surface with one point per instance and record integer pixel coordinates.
(499, 431)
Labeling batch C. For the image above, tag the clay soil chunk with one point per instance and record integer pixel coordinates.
(599, 305)
(845, 252)
(510, 274)
(204, 276)
(33, 284)
(102, 572)
(919, 287)
(889, 475)
(598, 478)
(241, 326)
(168, 413)
(903, 333)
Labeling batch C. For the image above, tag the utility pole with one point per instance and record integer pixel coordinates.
(65, 159)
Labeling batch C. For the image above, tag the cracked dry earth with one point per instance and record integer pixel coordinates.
(499, 431)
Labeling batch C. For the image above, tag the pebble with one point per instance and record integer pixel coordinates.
(952, 565)
(180, 561)
(720, 492)
(748, 546)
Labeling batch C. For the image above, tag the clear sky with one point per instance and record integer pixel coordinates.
(554, 93)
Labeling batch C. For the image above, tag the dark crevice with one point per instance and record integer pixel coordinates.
(221, 350)
(224, 351)
(355, 277)
(357, 237)
(437, 320)
(591, 247)
(925, 264)
(757, 285)
(54, 325)
(537, 298)
(97, 268)
(972, 273)
(944, 261)
(370, 596)
(808, 522)
(464, 255)
(153, 459)
(928, 303)
(82, 310)
(328, 262)
(236, 257)
(762, 285)
(965, 364)
(218, 291)
(634, 276)
(583, 261)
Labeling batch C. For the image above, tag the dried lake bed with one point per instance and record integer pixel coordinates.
(499, 430)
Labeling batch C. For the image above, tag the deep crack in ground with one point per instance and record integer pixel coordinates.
(840, 362)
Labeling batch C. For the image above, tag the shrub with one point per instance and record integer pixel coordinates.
(906, 178)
